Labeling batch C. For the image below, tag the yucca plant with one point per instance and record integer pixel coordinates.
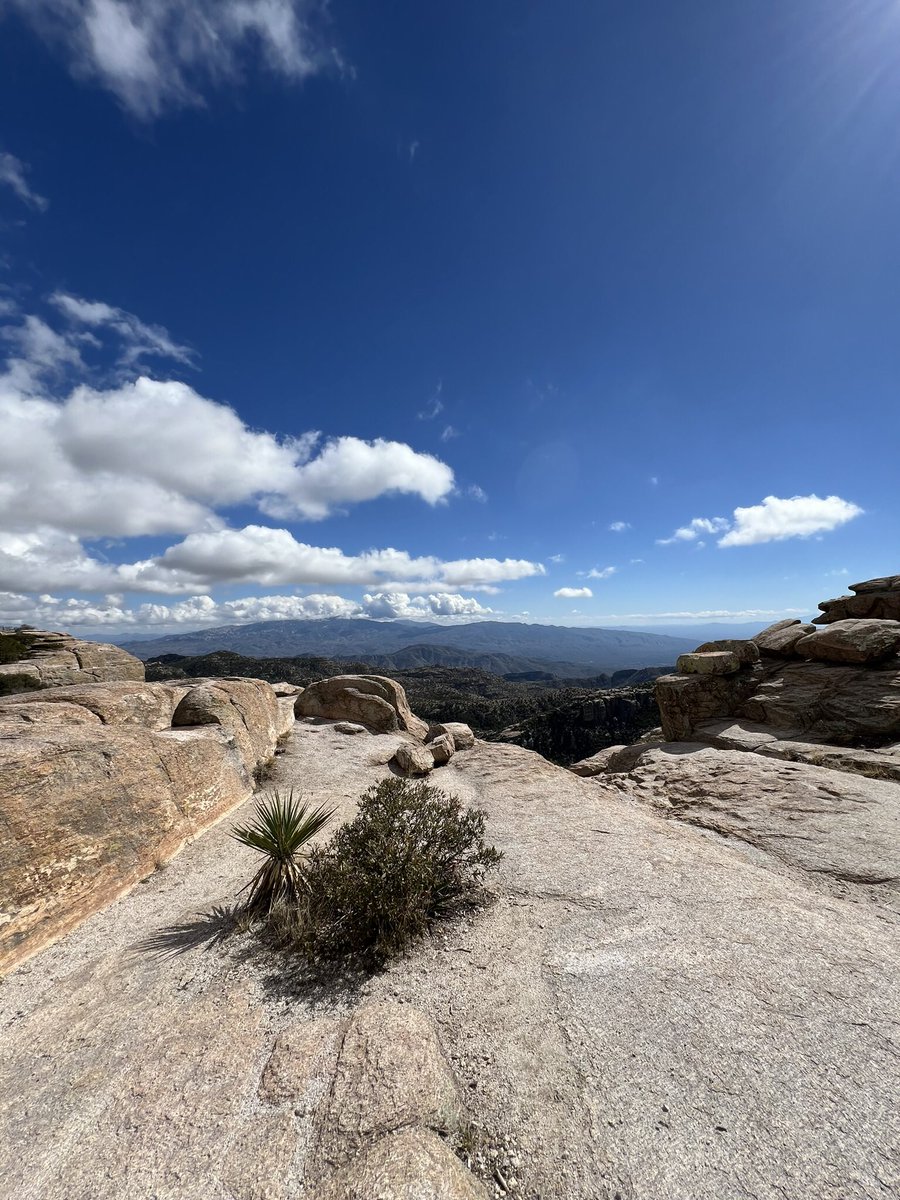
(281, 828)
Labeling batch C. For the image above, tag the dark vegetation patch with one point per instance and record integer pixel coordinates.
(559, 718)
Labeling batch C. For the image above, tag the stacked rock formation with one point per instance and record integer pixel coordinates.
(874, 598)
(38, 658)
(823, 695)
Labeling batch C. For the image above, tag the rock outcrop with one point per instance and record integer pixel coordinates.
(874, 598)
(101, 782)
(37, 658)
(371, 700)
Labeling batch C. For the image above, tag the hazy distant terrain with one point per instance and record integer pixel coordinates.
(502, 647)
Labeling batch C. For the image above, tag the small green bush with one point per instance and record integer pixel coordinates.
(14, 647)
(11, 684)
(412, 853)
(281, 828)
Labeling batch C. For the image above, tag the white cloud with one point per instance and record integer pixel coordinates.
(49, 611)
(601, 573)
(156, 55)
(777, 519)
(449, 432)
(774, 520)
(570, 593)
(557, 558)
(13, 174)
(689, 533)
(153, 457)
(477, 493)
(400, 604)
(619, 526)
(139, 339)
(435, 405)
(46, 559)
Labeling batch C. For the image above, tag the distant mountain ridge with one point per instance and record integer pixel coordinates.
(499, 646)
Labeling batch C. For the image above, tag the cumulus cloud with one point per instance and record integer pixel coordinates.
(572, 593)
(152, 457)
(777, 519)
(601, 572)
(774, 520)
(14, 175)
(47, 559)
(690, 533)
(400, 604)
(155, 55)
(47, 610)
(619, 526)
(139, 339)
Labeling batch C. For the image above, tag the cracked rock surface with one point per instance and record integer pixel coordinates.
(650, 1008)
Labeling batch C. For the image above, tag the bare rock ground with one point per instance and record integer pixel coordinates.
(647, 1009)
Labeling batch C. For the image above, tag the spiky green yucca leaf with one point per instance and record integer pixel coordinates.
(281, 828)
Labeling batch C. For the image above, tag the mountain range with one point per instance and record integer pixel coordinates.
(502, 647)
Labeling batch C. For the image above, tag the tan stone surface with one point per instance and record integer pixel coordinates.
(650, 1007)
(149, 705)
(58, 659)
(412, 1165)
(391, 1073)
(296, 1063)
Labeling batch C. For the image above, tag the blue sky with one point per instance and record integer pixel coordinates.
(581, 313)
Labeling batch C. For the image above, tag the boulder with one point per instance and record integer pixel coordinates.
(870, 603)
(781, 638)
(286, 718)
(411, 1165)
(852, 641)
(349, 727)
(463, 737)
(371, 700)
(413, 759)
(442, 749)
(22, 718)
(286, 689)
(247, 708)
(56, 659)
(391, 1073)
(746, 650)
(716, 662)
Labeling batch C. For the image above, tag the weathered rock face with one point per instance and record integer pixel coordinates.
(852, 642)
(97, 788)
(781, 638)
(874, 598)
(462, 735)
(442, 749)
(371, 700)
(686, 699)
(40, 659)
(413, 1164)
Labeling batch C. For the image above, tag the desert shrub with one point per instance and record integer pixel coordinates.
(412, 853)
(10, 684)
(14, 647)
(280, 829)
